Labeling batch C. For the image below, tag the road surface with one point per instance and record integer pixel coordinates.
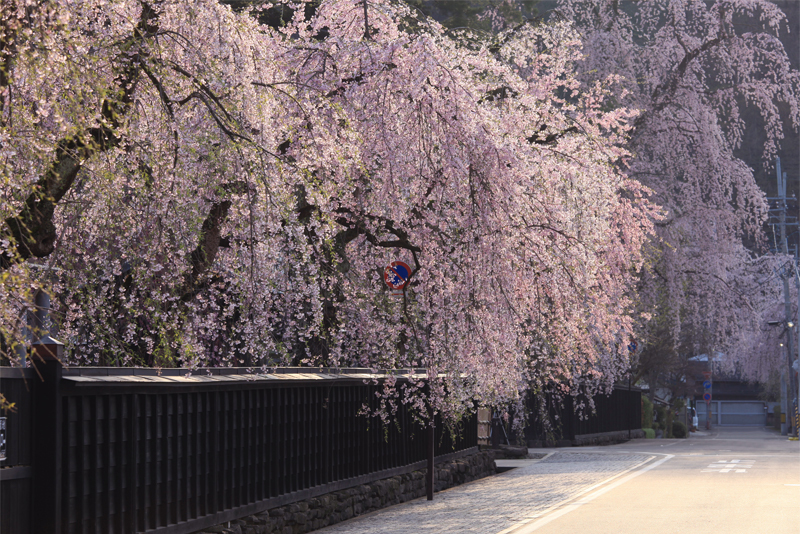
(729, 480)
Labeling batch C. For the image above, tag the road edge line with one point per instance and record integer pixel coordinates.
(569, 505)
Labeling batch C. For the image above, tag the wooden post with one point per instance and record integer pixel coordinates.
(495, 429)
(46, 357)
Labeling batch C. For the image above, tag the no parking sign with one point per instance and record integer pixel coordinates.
(707, 383)
(396, 276)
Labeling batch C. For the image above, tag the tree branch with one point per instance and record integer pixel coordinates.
(356, 228)
(670, 85)
(550, 139)
(202, 257)
(32, 230)
(366, 21)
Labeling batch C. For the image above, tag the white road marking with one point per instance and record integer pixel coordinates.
(727, 466)
(527, 527)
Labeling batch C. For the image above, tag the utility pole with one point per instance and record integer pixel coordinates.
(788, 383)
(794, 367)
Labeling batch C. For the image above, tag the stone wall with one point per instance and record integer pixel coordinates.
(607, 438)
(602, 438)
(330, 508)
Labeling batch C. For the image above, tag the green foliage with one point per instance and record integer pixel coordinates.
(647, 413)
(668, 424)
(678, 429)
(649, 433)
(660, 415)
(6, 406)
(477, 14)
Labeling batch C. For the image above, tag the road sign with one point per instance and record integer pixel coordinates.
(707, 384)
(632, 346)
(396, 275)
(707, 375)
(707, 397)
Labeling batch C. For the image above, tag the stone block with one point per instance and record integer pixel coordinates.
(324, 510)
(257, 519)
(301, 506)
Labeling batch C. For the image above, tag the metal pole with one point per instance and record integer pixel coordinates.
(787, 306)
(797, 326)
(784, 404)
(711, 379)
(431, 441)
(431, 451)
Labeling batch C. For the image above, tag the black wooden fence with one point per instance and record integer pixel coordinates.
(565, 417)
(15, 469)
(110, 450)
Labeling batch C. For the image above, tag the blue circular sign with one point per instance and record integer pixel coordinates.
(396, 275)
(707, 396)
(707, 384)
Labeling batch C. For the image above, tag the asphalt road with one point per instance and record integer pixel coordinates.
(729, 480)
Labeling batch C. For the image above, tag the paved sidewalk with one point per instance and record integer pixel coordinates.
(492, 505)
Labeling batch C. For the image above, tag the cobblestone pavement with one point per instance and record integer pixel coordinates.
(493, 504)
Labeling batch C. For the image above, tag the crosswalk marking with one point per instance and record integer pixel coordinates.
(729, 466)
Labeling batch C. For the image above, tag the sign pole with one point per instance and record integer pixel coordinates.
(707, 383)
(431, 474)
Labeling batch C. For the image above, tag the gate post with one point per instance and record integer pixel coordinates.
(46, 505)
